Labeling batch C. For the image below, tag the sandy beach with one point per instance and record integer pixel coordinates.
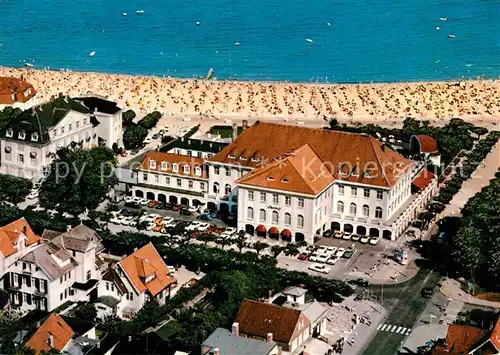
(384, 103)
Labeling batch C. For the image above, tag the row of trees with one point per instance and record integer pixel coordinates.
(135, 134)
(14, 189)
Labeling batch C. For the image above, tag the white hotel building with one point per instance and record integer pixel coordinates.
(294, 183)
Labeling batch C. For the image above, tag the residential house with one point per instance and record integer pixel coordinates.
(65, 268)
(288, 327)
(55, 334)
(133, 281)
(224, 342)
(17, 93)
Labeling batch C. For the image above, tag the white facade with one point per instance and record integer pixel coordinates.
(110, 128)
(21, 105)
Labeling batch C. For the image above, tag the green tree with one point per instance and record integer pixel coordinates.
(86, 311)
(128, 118)
(276, 250)
(206, 238)
(259, 246)
(7, 115)
(134, 136)
(79, 179)
(14, 189)
(150, 120)
(240, 242)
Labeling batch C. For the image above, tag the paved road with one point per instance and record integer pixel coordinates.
(405, 305)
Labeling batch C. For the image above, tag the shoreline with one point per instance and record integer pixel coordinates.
(381, 103)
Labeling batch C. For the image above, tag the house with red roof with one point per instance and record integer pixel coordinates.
(17, 93)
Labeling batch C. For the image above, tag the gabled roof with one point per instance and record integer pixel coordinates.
(112, 276)
(144, 263)
(461, 339)
(14, 90)
(10, 233)
(495, 335)
(80, 238)
(43, 258)
(170, 159)
(99, 104)
(368, 160)
(295, 291)
(229, 344)
(301, 171)
(54, 326)
(260, 318)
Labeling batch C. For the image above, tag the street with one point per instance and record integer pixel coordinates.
(404, 304)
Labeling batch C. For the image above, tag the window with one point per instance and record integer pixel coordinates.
(21, 135)
(275, 199)
(262, 215)
(288, 200)
(300, 221)
(84, 121)
(202, 186)
(164, 165)
(77, 124)
(88, 275)
(262, 197)
(216, 170)
(341, 190)
(145, 177)
(378, 212)
(366, 211)
(70, 126)
(227, 189)
(190, 184)
(167, 180)
(250, 213)
(353, 209)
(198, 171)
(157, 179)
(228, 172)
(34, 137)
(20, 158)
(62, 130)
(186, 169)
(216, 188)
(288, 219)
(340, 207)
(300, 202)
(190, 153)
(179, 182)
(380, 194)
(60, 296)
(354, 191)
(366, 192)
(107, 286)
(275, 217)
(250, 195)
(175, 168)
(9, 133)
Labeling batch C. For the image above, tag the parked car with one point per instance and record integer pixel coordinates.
(355, 237)
(132, 204)
(205, 217)
(148, 140)
(332, 260)
(364, 239)
(374, 240)
(322, 258)
(193, 226)
(314, 257)
(185, 212)
(160, 206)
(320, 268)
(156, 136)
(347, 235)
(303, 256)
(171, 269)
(176, 207)
(149, 218)
(331, 250)
(153, 204)
(192, 209)
(143, 201)
(349, 252)
(359, 282)
(115, 219)
(340, 252)
(203, 226)
(338, 234)
(328, 233)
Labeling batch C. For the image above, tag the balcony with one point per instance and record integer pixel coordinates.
(349, 218)
(14, 287)
(40, 292)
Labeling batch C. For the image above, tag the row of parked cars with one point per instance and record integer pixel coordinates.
(137, 202)
(325, 255)
(349, 236)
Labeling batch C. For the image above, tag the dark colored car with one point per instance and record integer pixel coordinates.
(205, 217)
(359, 282)
(303, 256)
(328, 233)
(427, 292)
(156, 135)
(185, 212)
(160, 206)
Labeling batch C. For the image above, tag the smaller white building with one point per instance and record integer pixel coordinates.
(17, 93)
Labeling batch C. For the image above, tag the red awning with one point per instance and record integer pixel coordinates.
(261, 228)
(274, 230)
(286, 233)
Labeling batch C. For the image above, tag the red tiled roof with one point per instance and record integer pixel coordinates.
(301, 171)
(422, 179)
(259, 318)
(56, 326)
(367, 159)
(427, 143)
(10, 233)
(495, 335)
(14, 90)
(170, 159)
(143, 263)
(460, 339)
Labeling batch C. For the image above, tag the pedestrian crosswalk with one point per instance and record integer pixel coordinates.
(452, 309)
(394, 329)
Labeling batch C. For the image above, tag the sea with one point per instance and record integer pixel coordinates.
(278, 40)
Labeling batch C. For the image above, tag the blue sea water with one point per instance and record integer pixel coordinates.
(353, 40)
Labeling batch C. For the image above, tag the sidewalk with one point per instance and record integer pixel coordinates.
(451, 289)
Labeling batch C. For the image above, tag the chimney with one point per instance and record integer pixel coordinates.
(24, 229)
(235, 329)
(38, 324)
(245, 125)
(383, 146)
(61, 95)
(68, 228)
(216, 351)
(235, 131)
(269, 337)
(51, 340)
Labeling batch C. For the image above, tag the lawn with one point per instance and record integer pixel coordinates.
(168, 329)
(224, 131)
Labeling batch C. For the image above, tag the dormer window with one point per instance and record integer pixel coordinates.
(186, 169)
(342, 170)
(21, 135)
(152, 164)
(198, 171)
(149, 278)
(270, 178)
(34, 137)
(285, 180)
(9, 133)
(367, 175)
(175, 168)
(230, 156)
(243, 157)
(164, 165)
(255, 160)
(354, 172)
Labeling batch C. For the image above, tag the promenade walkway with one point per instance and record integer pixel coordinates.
(451, 289)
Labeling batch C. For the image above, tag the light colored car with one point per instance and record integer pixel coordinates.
(148, 140)
(340, 252)
(338, 234)
(364, 239)
(331, 250)
(322, 258)
(171, 269)
(52, 213)
(374, 240)
(33, 194)
(193, 226)
(115, 219)
(314, 257)
(150, 226)
(192, 209)
(355, 237)
(143, 201)
(347, 235)
(136, 199)
(332, 260)
(133, 223)
(170, 224)
(203, 226)
(38, 209)
(127, 220)
(320, 268)
(129, 199)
